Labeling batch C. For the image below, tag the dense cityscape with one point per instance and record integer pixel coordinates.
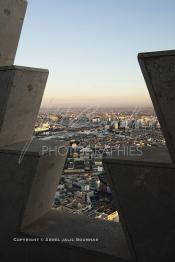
(92, 134)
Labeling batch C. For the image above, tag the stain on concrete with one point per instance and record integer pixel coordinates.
(7, 11)
(51, 165)
(40, 205)
(29, 87)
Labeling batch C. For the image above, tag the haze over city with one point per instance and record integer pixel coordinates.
(90, 48)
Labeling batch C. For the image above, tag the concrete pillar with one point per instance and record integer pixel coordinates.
(145, 195)
(158, 69)
(21, 92)
(52, 157)
(27, 190)
(144, 186)
(12, 14)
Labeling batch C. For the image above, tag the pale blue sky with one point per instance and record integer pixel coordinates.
(90, 47)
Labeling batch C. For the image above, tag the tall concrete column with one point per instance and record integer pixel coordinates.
(12, 14)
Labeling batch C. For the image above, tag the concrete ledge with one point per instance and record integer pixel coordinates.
(158, 69)
(16, 67)
(145, 197)
(12, 14)
(57, 224)
(158, 156)
(46, 252)
(27, 189)
(156, 53)
(20, 88)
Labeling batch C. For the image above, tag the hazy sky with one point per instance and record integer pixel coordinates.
(90, 47)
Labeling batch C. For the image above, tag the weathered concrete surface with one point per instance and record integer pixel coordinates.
(158, 69)
(145, 196)
(61, 252)
(57, 224)
(153, 155)
(45, 183)
(26, 190)
(21, 92)
(144, 185)
(15, 184)
(12, 14)
(26, 194)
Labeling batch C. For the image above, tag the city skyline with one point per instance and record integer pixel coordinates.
(90, 48)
